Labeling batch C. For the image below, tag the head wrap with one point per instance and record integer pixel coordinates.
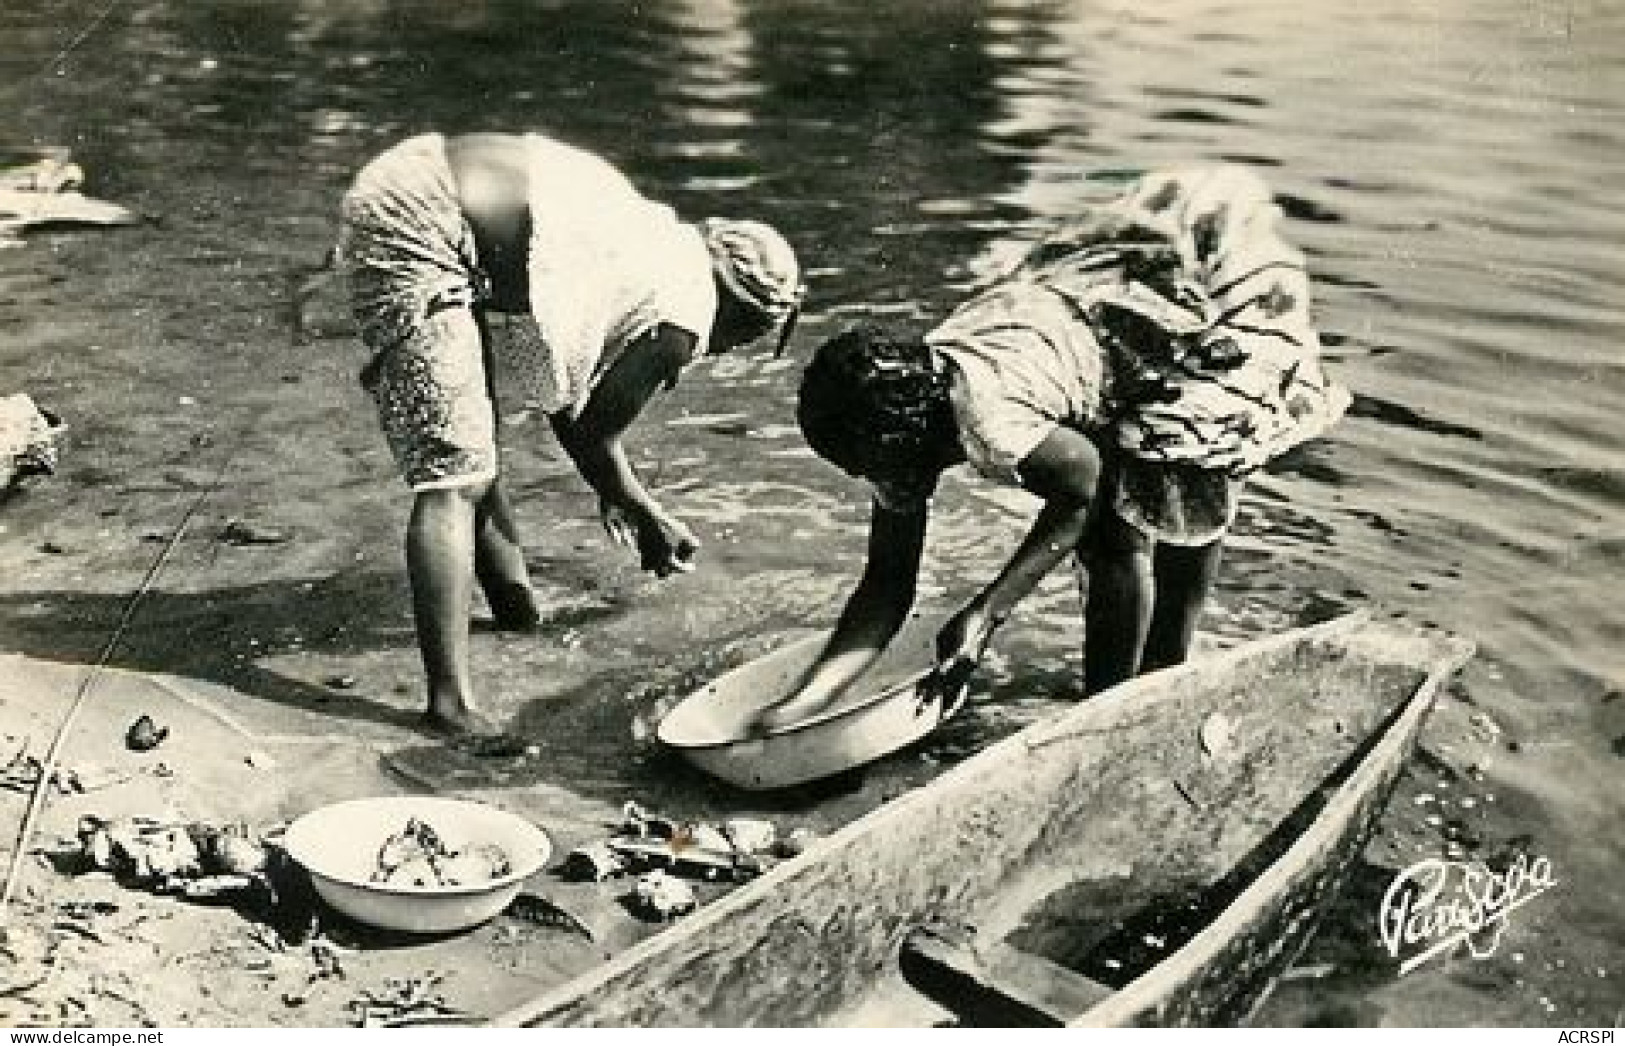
(757, 266)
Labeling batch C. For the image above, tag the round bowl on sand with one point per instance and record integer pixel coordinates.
(878, 714)
(338, 845)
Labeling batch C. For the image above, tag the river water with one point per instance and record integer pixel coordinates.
(1445, 165)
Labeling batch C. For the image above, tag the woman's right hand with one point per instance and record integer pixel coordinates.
(664, 543)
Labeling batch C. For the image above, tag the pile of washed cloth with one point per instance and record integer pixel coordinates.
(28, 437)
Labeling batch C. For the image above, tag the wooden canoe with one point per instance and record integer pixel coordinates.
(1156, 855)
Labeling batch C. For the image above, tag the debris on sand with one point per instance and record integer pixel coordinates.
(736, 852)
(749, 835)
(43, 191)
(592, 863)
(325, 964)
(244, 532)
(195, 860)
(144, 735)
(21, 773)
(659, 896)
(28, 440)
(738, 837)
(539, 911)
(405, 1001)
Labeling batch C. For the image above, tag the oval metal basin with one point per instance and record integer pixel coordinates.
(878, 714)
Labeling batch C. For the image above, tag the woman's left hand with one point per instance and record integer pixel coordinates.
(960, 646)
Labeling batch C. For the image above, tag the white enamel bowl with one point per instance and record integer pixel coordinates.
(338, 845)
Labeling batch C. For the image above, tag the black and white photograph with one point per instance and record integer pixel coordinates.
(812, 514)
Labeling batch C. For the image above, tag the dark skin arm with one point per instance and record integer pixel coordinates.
(592, 438)
(872, 616)
(1064, 470)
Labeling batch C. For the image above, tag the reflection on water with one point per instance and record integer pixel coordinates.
(1446, 168)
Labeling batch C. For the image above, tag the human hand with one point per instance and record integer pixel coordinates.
(618, 523)
(665, 545)
(960, 645)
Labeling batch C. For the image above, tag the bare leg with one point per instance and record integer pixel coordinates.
(439, 561)
(1184, 576)
(499, 563)
(1117, 615)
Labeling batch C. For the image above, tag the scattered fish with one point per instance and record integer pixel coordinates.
(698, 862)
(749, 835)
(416, 856)
(593, 863)
(538, 910)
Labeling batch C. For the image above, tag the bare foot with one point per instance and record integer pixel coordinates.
(468, 731)
(513, 607)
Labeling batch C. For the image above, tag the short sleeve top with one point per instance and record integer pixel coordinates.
(1023, 363)
(606, 266)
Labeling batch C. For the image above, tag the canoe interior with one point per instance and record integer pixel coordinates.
(1068, 839)
(1114, 931)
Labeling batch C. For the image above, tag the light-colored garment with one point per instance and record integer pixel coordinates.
(1023, 364)
(1244, 383)
(605, 267)
(1171, 324)
(404, 245)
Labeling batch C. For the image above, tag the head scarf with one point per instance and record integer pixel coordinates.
(757, 266)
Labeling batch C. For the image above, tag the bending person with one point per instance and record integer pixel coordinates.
(1137, 365)
(487, 257)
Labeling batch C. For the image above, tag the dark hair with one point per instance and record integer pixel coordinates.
(877, 407)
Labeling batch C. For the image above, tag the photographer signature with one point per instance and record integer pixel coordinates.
(1438, 904)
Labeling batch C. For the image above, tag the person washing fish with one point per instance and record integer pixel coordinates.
(479, 258)
(1132, 371)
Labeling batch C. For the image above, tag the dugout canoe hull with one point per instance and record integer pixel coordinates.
(1213, 807)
